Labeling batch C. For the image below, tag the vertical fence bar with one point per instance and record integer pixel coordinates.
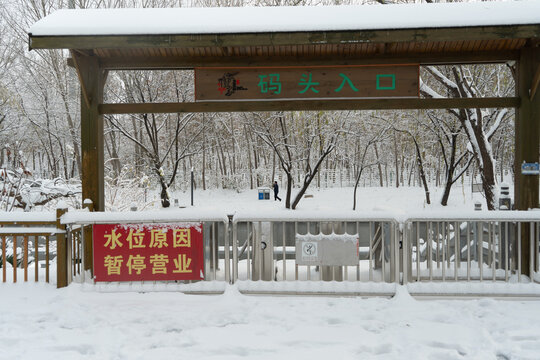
(4, 260)
(71, 238)
(405, 253)
(227, 255)
(418, 251)
(531, 250)
(271, 248)
(448, 245)
(429, 234)
(395, 244)
(248, 256)
(330, 268)
(83, 257)
(295, 264)
(259, 251)
(25, 259)
(308, 267)
(537, 248)
(457, 251)
(36, 262)
(345, 268)
(494, 248)
(15, 259)
(443, 250)
(79, 248)
(489, 244)
(438, 245)
(69, 259)
(284, 254)
(235, 252)
(371, 251)
(481, 249)
(506, 253)
(519, 251)
(468, 251)
(215, 250)
(500, 245)
(382, 254)
(47, 239)
(358, 265)
(76, 252)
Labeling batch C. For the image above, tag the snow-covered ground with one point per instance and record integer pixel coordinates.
(87, 322)
(41, 322)
(367, 198)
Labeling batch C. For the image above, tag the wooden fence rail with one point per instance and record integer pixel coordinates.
(30, 238)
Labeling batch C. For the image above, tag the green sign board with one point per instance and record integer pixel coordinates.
(304, 83)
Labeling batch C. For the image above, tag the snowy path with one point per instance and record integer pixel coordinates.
(38, 321)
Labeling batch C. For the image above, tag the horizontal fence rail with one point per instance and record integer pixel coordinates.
(471, 247)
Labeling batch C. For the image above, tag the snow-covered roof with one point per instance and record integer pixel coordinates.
(284, 19)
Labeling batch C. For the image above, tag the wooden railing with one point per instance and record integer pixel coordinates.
(30, 237)
(75, 239)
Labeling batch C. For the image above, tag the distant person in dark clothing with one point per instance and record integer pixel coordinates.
(276, 191)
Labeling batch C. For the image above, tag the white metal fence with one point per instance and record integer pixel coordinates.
(265, 249)
(470, 249)
(483, 247)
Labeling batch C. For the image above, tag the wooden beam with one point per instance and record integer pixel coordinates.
(286, 38)
(527, 142)
(535, 82)
(305, 105)
(92, 79)
(162, 63)
(82, 63)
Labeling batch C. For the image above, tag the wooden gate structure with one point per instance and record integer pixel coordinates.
(100, 41)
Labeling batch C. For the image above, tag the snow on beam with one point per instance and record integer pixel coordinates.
(31, 231)
(284, 19)
(82, 217)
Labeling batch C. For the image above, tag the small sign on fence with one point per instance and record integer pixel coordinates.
(331, 250)
(149, 252)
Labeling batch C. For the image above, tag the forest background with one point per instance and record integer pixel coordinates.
(40, 158)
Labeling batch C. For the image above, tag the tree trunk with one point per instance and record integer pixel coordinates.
(309, 178)
(421, 170)
(379, 167)
(396, 160)
(289, 190)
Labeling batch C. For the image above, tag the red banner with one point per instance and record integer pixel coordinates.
(136, 252)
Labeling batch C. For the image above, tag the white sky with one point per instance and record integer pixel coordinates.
(282, 19)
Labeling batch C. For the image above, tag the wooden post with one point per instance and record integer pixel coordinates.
(92, 79)
(88, 242)
(527, 134)
(61, 252)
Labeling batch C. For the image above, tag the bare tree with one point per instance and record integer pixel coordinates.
(478, 124)
(156, 147)
(457, 159)
(365, 135)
